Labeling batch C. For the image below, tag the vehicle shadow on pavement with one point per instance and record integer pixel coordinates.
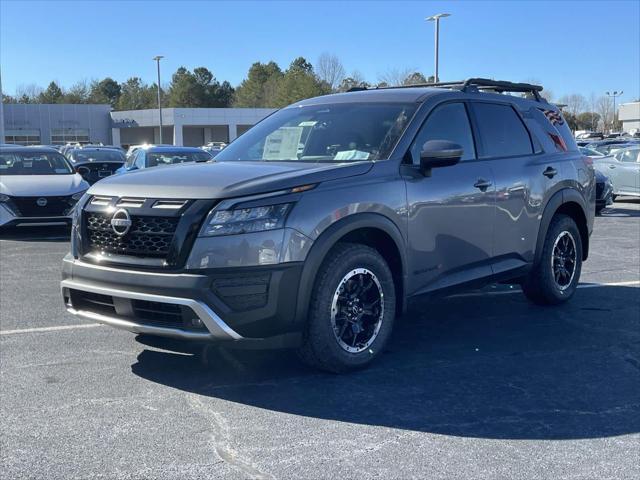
(490, 366)
(53, 233)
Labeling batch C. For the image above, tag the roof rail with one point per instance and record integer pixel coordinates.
(482, 84)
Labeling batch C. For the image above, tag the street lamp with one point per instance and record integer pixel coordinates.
(436, 18)
(614, 95)
(157, 59)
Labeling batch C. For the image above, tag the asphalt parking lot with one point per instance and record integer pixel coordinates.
(483, 385)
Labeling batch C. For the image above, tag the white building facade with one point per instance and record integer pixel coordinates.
(184, 126)
(629, 115)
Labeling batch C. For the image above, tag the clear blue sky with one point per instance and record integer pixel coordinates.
(570, 46)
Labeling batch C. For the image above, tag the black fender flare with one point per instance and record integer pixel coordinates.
(561, 197)
(328, 238)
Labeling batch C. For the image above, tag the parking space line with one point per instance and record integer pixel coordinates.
(50, 329)
(473, 294)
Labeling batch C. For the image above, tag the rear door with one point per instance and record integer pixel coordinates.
(524, 179)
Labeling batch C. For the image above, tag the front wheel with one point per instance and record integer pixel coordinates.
(352, 310)
(555, 277)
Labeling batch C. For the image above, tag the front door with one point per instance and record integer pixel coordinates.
(450, 213)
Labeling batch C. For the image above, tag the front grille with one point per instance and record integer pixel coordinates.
(50, 206)
(148, 236)
(93, 302)
(164, 314)
(156, 314)
(92, 172)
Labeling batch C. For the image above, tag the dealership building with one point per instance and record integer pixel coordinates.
(58, 124)
(629, 115)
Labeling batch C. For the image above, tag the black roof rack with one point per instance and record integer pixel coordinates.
(479, 84)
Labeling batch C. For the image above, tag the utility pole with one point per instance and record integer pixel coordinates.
(614, 95)
(436, 18)
(157, 59)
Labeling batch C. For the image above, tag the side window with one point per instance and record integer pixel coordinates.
(630, 156)
(446, 122)
(502, 132)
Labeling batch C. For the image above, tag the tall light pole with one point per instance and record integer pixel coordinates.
(157, 59)
(614, 95)
(436, 18)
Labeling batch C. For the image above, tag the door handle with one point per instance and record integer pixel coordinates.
(550, 172)
(482, 184)
(612, 166)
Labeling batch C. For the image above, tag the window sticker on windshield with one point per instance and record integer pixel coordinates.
(351, 155)
(282, 144)
(309, 123)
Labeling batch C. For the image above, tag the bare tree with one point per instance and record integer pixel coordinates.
(28, 93)
(330, 70)
(395, 76)
(575, 102)
(604, 107)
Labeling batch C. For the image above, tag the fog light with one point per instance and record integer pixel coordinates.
(196, 322)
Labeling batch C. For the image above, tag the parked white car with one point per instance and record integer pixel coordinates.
(37, 186)
(623, 168)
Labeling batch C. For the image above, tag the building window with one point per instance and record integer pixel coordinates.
(62, 136)
(22, 137)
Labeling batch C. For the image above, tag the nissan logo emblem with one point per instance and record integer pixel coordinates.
(121, 222)
(41, 202)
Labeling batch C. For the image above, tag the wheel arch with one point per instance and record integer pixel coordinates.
(568, 202)
(371, 229)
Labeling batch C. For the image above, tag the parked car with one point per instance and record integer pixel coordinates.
(95, 163)
(605, 146)
(590, 152)
(589, 136)
(604, 192)
(214, 148)
(623, 168)
(37, 186)
(395, 193)
(155, 156)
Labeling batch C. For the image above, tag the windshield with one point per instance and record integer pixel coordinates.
(345, 132)
(33, 163)
(172, 157)
(96, 156)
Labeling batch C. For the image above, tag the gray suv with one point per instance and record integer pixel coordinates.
(317, 226)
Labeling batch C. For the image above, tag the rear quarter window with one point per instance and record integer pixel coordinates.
(558, 133)
(502, 133)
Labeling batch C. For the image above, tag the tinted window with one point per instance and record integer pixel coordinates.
(172, 157)
(446, 122)
(502, 133)
(139, 159)
(88, 155)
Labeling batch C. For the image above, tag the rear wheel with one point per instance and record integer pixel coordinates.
(555, 277)
(352, 310)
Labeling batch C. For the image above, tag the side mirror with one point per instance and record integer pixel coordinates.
(439, 153)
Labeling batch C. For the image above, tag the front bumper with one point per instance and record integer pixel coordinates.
(216, 304)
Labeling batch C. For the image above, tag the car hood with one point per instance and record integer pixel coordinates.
(219, 180)
(41, 185)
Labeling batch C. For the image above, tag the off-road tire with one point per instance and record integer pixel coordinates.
(320, 348)
(540, 285)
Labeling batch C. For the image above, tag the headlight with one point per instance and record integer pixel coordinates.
(77, 196)
(246, 220)
(4, 198)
